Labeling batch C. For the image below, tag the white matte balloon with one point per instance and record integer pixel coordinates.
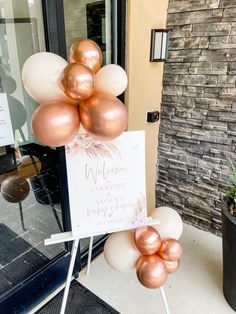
(120, 251)
(111, 79)
(41, 77)
(171, 225)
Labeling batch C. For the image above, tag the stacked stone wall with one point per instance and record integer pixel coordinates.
(198, 112)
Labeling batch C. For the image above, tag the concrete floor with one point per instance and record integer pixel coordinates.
(195, 288)
(39, 222)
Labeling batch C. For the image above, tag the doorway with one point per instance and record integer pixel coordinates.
(31, 207)
(34, 197)
(104, 22)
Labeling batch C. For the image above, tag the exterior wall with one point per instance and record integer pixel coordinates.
(198, 115)
(145, 78)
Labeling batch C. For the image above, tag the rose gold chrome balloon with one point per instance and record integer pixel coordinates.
(170, 250)
(171, 266)
(147, 240)
(55, 123)
(86, 52)
(78, 81)
(151, 271)
(104, 117)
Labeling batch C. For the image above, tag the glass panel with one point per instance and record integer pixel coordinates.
(164, 45)
(157, 47)
(30, 193)
(95, 20)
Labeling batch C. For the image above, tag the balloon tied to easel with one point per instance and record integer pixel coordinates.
(81, 91)
(154, 251)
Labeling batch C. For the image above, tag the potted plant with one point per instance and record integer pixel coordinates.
(229, 238)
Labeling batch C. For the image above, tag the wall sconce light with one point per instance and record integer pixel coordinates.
(159, 45)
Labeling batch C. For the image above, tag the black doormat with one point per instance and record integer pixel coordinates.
(18, 259)
(80, 300)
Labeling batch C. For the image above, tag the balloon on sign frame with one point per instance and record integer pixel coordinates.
(54, 83)
(111, 79)
(78, 81)
(157, 257)
(41, 77)
(55, 123)
(103, 116)
(120, 251)
(86, 52)
(171, 225)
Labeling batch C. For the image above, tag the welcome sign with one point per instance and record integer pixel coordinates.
(106, 181)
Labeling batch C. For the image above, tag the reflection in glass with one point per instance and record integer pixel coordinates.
(30, 207)
(91, 19)
(95, 20)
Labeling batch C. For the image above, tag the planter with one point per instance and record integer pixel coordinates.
(229, 255)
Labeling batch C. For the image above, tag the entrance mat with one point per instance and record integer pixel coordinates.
(18, 259)
(80, 300)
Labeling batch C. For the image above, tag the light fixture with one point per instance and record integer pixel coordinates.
(159, 45)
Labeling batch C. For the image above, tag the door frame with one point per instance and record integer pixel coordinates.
(37, 287)
(121, 6)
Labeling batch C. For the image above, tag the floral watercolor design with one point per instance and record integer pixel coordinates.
(93, 148)
(140, 213)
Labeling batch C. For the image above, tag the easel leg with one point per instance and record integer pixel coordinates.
(69, 275)
(164, 300)
(89, 255)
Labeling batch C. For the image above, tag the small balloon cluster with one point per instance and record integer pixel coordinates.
(153, 251)
(74, 92)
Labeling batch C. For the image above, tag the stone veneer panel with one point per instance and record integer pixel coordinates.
(198, 113)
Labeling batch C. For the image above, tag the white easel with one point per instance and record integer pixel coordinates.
(67, 236)
(162, 291)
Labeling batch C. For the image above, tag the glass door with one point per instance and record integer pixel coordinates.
(34, 198)
(104, 22)
(31, 174)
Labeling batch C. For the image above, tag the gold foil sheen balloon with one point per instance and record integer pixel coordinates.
(147, 240)
(151, 271)
(170, 250)
(104, 117)
(55, 123)
(86, 52)
(78, 81)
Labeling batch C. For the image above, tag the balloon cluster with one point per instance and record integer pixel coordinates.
(153, 251)
(74, 92)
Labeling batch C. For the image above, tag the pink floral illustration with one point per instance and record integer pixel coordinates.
(92, 148)
(140, 213)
